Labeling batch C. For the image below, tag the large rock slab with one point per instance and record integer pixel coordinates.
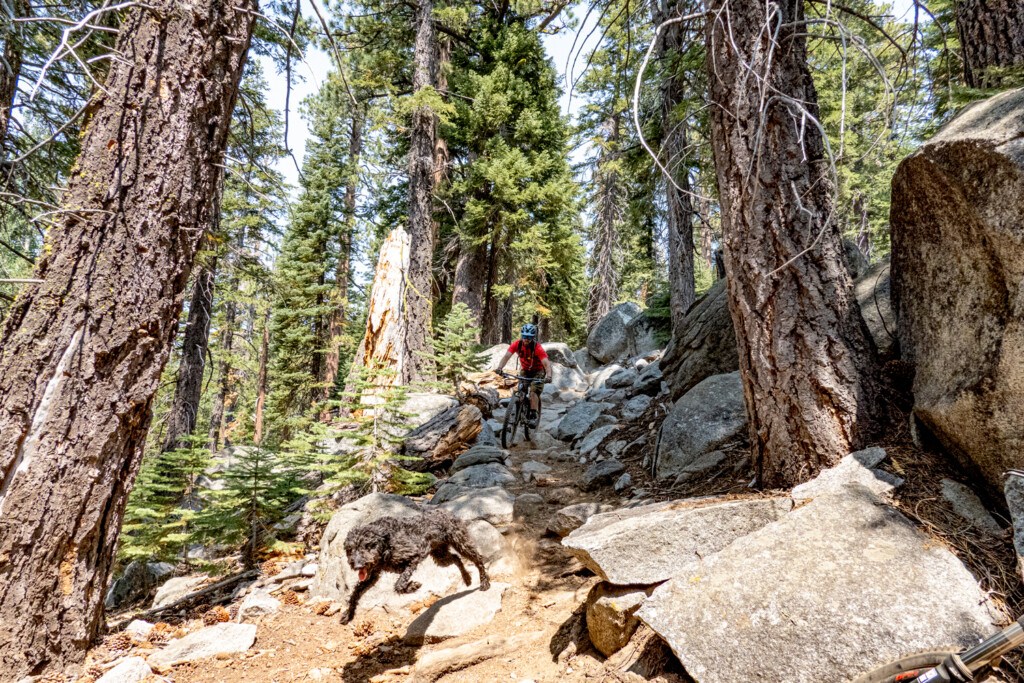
(649, 544)
(709, 416)
(335, 579)
(130, 670)
(601, 473)
(595, 438)
(843, 583)
(635, 407)
(493, 504)
(703, 345)
(599, 378)
(481, 454)
(856, 468)
(610, 338)
(176, 588)
(207, 642)
(958, 282)
(566, 379)
(560, 353)
(579, 419)
(455, 615)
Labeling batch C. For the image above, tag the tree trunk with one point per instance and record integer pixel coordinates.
(10, 69)
(678, 199)
(332, 361)
(605, 282)
(991, 36)
(471, 280)
(81, 353)
(189, 388)
(261, 381)
(220, 399)
(418, 287)
(808, 366)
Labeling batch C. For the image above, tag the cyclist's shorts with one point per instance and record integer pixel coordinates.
(538, 383)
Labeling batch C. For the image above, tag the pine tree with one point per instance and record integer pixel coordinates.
(455, 349)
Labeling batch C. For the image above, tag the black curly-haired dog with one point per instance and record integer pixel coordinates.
(399, 544)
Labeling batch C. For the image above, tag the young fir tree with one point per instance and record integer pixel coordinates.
(455, 349)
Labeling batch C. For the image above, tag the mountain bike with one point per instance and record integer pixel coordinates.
(950, 664)
(518, 410)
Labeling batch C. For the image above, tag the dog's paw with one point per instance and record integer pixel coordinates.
(345, 618)
(410, 587)
(485, 585)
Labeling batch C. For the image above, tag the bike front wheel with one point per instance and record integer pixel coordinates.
(907, 668)
(508, 428)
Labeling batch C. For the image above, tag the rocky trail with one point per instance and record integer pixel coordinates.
(624, 543)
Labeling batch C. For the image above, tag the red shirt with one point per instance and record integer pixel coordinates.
(530, 355)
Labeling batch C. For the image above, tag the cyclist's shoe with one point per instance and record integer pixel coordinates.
(532, 420)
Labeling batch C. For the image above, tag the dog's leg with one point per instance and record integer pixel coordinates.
(445, 558)
(357, 593)
(463, 546)
(405, 584)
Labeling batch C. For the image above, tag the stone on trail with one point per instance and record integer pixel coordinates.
(435, 664)
(480, 455)
(488, 541)
(622, 379)
(541, 439)
(635, 407)
(256, 604)
(207, 642)
(884, 589)
(703, 466)
(957, 265)
(650, 543)
(528, 504)
(966, 503)
(623, 483)
(854, 469)
(709, 416)
(572, 517)
(610, 339)
(560, 353)
(486, 437)
(599, 380)
(482, 476)
(130, 670)
(566, 379)
(335, 579)
(531, 468)
(139, 629)
(176, 588)
(493, 504)
(650, 380)
(585, 362)
(579, 419)
(611, 615)
(595, 438)
(455, 615)
(601, 473)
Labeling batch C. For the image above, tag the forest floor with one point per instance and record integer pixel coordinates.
(541, 612)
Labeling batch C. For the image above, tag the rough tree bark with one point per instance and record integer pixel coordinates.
(807, 363)
(220, 399)
(189, 388)
(82, 352)
(343, 266)
(261, 381)
(418, 287)
(678, 199)
(610, 195)
(471, 279)
(991, 36)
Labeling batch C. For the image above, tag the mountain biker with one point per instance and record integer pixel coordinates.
(533, 361)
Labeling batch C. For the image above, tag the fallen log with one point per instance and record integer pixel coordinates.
(187, 600)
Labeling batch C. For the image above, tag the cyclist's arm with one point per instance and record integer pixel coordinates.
(547, 368)
(501, 365)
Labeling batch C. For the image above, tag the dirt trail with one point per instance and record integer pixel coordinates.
(539, 631)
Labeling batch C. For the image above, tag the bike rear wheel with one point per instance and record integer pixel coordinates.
(907, 668)
(508, 428)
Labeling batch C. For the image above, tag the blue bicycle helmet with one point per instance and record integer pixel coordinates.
(529, 331)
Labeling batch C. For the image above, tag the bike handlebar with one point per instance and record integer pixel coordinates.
(527, 379)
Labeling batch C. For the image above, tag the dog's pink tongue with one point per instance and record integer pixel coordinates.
(363, 573)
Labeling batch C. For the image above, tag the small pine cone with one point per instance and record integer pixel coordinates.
(216, 615)
(269, 568)
(290, 598)
(321, 608)
(160, 633)
(119, 642)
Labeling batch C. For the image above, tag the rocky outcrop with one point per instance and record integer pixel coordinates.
(572, 517)
(138, 581)
(856, 468)
(601, 473)
(610, 338)
(707, 417)
(958, 283)
(648, 544)
(492, 504)
(481, 454)
(884, 588)
(580, 419)
(703, 345)
(222, 639)
(611, 615)
(560, 353)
